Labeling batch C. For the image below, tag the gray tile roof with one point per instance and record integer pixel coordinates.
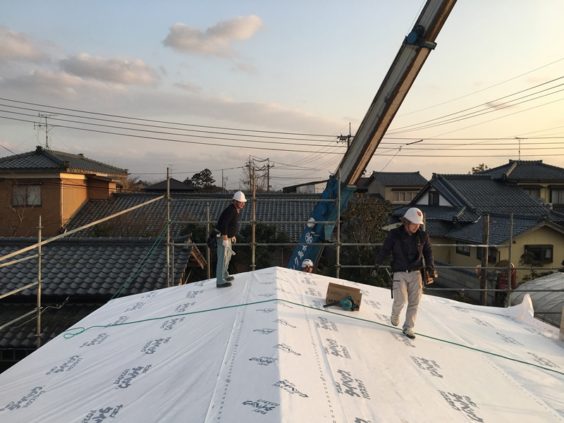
(45, 160)
(398, 179)
(96, 268)
(55, 318)
(471, 197)
(149, 220)
(499, 229)
(482, 194)
(526, 171)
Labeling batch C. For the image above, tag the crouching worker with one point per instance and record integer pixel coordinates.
(228, 227)
(409, 247)
(307, 266)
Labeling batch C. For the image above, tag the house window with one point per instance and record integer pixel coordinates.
(403, 196)
(433, 198)
(557, 196)
(537, 254)
(26, 195)
(462, 249)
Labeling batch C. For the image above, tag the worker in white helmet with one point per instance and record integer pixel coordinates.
(228, 227)
(411, 253)
(307, 266)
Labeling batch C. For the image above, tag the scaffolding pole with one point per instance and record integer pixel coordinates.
(39, 285)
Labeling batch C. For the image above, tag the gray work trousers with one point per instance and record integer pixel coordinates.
(408, 286)
(223, 258)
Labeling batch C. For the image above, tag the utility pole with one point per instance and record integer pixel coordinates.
(268, 166)
(346, 138)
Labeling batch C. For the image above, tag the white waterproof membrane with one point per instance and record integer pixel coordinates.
(265, 350)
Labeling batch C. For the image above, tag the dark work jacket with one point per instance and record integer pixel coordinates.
(404, 250)
(228, 223)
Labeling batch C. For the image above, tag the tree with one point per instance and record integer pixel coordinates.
(362, 222)
(266, 256)
(203, 181)
(480, 168)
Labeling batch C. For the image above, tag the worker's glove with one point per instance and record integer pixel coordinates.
(225, 243)
(233, 240)
(374, 271)
(431, 274)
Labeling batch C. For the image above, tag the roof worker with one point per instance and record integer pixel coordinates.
(307, 266)
(410, 249)
(228, 226)
(502, 269)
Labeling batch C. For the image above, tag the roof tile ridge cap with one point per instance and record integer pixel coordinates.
(509, 171)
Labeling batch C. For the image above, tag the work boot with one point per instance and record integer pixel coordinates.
(409, 333)
(394, 320)
(229, 278)
(224, 285)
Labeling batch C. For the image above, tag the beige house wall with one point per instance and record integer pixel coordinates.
(74, 194)
(541, 236)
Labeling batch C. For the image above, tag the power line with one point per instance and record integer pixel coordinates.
(175, 140)
(457, 116)
(165, 122)
(486, 88)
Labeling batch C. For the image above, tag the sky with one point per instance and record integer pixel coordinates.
(189, 85)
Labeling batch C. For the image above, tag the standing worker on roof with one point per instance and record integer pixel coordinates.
(228, 227)
(411, 251)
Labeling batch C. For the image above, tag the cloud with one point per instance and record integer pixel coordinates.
(120, 71)
(18, 47)
(215, 40)
(50, 84)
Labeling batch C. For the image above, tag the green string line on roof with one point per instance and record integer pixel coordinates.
(72, 332)
(140, 266)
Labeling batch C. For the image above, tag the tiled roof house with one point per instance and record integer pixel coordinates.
(52, 184)
(540, 180)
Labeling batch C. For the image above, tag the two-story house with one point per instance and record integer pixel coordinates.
(398, 188)
(52, 184)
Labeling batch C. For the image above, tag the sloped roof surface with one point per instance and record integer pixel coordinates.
(42, 159)
(150, 219)
(548, 304)
(93, 267)
(399, 178)
(526, 171)
(498, 230)
(485, 195)
(265, 350)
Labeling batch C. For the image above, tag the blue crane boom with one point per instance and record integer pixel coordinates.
(341, 185)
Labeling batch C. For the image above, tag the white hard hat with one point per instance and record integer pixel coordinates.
(240, 197)
(306, 263)
(414, 215)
